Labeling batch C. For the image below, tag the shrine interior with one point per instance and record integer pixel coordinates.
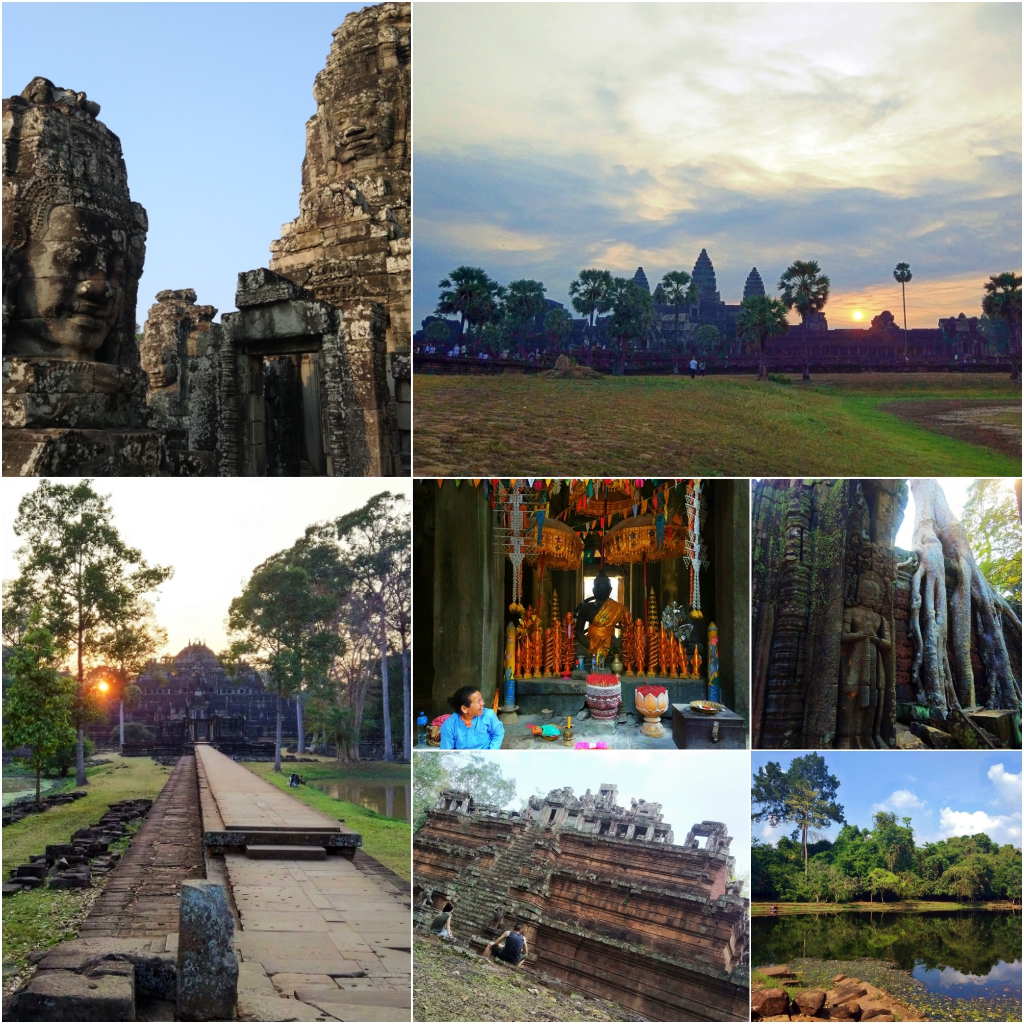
(518, 618)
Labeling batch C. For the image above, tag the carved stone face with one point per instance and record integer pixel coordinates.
(869, 593)
(363, 130)
(70, 294)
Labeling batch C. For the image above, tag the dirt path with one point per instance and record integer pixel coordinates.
(994, 425)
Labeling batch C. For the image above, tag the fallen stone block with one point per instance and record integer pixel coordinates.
(68, 996)
(810, 1001)
(30, 870)
(778, 971)
(11, 889)
(76, 877)
(769, 1002)
(850, 989)
(845, 1011)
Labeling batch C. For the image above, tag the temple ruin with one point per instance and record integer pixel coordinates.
(609, 904)
(309, 377)
(834, 638)
(189, 697)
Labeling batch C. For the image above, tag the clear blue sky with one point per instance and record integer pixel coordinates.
(944, 792)
(210, 101)
(691, 786)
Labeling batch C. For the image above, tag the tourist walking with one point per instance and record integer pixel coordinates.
(693, 368)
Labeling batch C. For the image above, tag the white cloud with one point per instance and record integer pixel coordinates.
(900, 800)
(1008, 787)
(1000, 828)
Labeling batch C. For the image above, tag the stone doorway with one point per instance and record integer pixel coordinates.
(285, 426)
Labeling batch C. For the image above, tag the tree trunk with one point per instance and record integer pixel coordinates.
(803, 346)
(299, 725)
(120, 722)
(406, 705)
(762, 369)
(277, 735)
(385, 697)
(804, 839)
(39, 782)
(80, 779)
(951, 601)
(906, 356)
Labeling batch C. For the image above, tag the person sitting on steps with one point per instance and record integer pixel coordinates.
(510, 947)
(441, 926)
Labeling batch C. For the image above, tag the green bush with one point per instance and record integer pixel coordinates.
(780, 378)
(134, 732)
(64, 760)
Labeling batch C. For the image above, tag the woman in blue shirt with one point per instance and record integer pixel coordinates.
(472, 727)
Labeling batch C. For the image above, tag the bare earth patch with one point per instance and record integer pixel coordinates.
(996, 426)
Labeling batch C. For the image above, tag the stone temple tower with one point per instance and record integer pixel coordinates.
(351, 245)
(754, 285)
(640, 278)
(704, 279)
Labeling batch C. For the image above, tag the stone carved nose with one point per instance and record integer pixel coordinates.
(95, 287)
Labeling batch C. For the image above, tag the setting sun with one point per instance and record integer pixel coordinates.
(858, 315)
(103, 686)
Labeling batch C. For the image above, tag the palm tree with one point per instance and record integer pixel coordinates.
(676, 289)
(463, 290)
(903, 275)
(524, 300)
(591, 293)
(804, 286)
(761, 318)
(1002, 302)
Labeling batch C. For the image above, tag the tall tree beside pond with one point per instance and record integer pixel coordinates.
(804, 287)
(127, 648)
(804, 794)
(284, 623)
(374, 541)
(85, 579)
(39, 703)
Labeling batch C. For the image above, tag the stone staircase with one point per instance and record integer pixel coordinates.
(480, 900)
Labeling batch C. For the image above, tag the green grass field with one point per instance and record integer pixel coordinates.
(384, 839)
(524, 425)
(44, 917)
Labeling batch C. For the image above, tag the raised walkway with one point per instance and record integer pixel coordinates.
(320, 936)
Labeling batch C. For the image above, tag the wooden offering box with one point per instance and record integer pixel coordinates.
(693, 730)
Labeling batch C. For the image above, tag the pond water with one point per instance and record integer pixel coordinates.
(390, 799)
(22, 785)
(957, 953)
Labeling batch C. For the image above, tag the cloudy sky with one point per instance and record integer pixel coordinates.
(691, 786)
(213, 532)
(210, 101)
(551, 137)
(945, 793)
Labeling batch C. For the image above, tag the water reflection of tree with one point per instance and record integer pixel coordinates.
(971, 942)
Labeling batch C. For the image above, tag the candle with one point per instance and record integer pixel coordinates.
(568, 722)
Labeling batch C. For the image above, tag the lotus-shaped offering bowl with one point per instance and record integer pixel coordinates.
(652, 703)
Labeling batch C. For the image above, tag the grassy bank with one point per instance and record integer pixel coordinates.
(452, 984)
(716, 426)
(903, 907)
(44, 917)
(384, 839)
